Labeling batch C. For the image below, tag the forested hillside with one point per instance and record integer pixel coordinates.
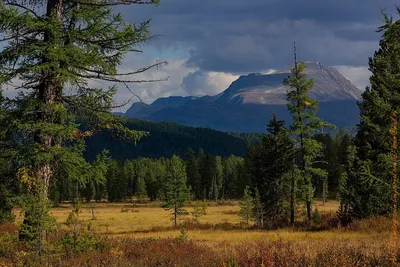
(166, 139)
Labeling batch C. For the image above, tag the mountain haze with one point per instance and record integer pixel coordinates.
(248, 103)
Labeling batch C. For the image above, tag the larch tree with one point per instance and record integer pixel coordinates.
(305, 125)
(368, 189)
(175, 190)
(51, 51)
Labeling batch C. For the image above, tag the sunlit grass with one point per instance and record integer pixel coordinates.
(152, 221)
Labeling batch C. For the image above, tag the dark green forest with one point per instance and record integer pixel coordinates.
(166, 139)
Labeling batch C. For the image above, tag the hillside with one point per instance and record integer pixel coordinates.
(166, 139)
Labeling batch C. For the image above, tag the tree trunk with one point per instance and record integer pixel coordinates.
(309, 209)
(324, 186)
(292, 199)
(175, 215)
(394, 158)
(48, 90)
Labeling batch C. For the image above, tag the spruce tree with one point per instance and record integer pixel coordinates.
(175, 191)
(271, 166)
(117, 183)
(258, 208)
(141, 192)
(54, 48)
(193, 175)
(129, 172)
(231, 176)
(368, 187)
(246, 205)
(305, 125)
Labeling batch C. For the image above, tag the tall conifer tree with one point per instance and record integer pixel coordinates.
(367, 189)
(305, 125)
(271, 167)
(54, 48)
(175, 190)
(193, 175)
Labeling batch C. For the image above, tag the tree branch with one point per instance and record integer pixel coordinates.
(116, 3)
(8, 3)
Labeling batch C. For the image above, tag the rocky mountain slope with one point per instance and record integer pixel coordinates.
(248, 103)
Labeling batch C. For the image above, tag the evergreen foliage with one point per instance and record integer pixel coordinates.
(271, 166)
(246, 204)
(175, 191)
(141, 192)
(193, 175)
(259, 213)
(117, 184)
(304, 126)
(232, 176)
(367, 187)
(54, 48)
(166, 139)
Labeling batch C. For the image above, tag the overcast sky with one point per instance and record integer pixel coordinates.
(209, 43)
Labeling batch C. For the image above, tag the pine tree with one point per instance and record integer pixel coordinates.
(193, 175)
(304, 126)
(175, 191)
(368, 187)
(258, 209)
(219, 173)
(246, 204)
(141, 192)
(208, 173)
(231, 176)
(117, 183)
(129, 172)
(216, 182)
(202, 165)
(55, 48)
(271, 166)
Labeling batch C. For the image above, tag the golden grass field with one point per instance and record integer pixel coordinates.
(152, 221)
(129, 234)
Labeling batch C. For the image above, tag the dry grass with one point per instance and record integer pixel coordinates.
(126, 219)
(117, 219)
(151, 221)
(141, 235)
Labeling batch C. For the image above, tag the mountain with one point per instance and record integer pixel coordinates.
(166, 139)
(248, 103)
(159, 104)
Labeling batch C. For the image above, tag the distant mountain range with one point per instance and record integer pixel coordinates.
(248, 103)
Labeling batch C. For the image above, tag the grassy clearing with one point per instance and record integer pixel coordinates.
(135, 219)
(151, 221)
(141, 235)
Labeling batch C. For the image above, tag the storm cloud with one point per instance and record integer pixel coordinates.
(238, 36)
(211, 42)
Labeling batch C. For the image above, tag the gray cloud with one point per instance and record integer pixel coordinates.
(198, 83)
(247, 36)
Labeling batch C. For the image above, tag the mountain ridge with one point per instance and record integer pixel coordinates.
(248, 103)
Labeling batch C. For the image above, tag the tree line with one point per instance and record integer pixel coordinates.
(210, 177)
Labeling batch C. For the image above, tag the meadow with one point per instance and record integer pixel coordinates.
(129, 234)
